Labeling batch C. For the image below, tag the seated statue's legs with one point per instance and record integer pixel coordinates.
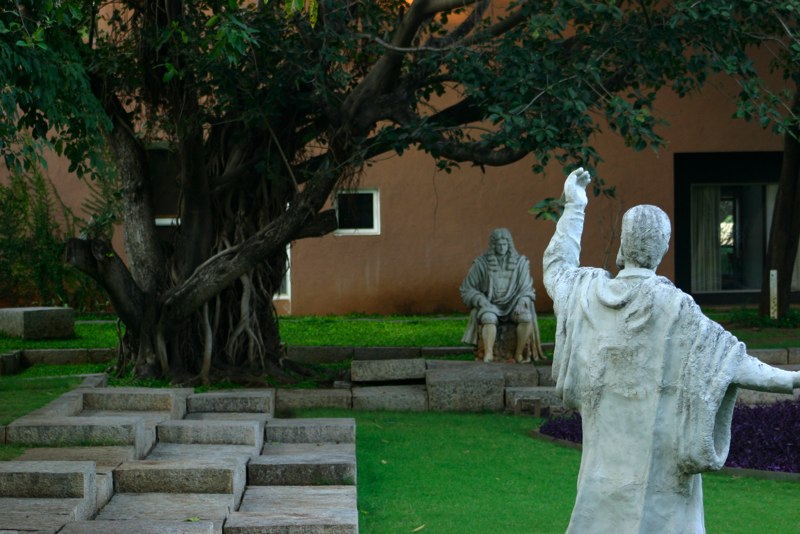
(488, 335)
(524, 331)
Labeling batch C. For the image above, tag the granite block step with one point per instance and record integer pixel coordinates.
(38, 322)
(65, 431)
(304, 464)
(387, 370)
(39, 515)
(135, 399)
(210, 432)
(139, 526)
(405, 398)
(228, 416)
(297, 399)
(296, 510)
(311, 430)
(190, 475)
(185, 507)
(466, 388)
(180, 451)
(251, 400)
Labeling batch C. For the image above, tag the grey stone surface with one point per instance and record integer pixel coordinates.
(385, 353)
(54, 479)
(190, 475)
(299, 464)
(262, 418)
(318, 354)
(97, 380)
(66, 356)
(749, 397)
(387, 370)
(546, 378)
(794, 355)
(178, 451)
(466, 388)
(103, 457)
(211, 432)
(547, 396)
(64, 431)
(412, 398)
(168, 506)
(293, 399)
(311, 430)
(251, 400)
(438, 352)
(104, 489)
(771, 356)
(38, 515)
(133, 399)
(139, 526)
(306, 509)
(514, 375)
(67, 404)
(38, 322)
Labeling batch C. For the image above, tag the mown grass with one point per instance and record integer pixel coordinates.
(482, 473)
(87, 336)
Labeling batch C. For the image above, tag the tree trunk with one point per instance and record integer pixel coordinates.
(785, 228)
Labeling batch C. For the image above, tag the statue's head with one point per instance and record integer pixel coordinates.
(644, 237)
(500, 242)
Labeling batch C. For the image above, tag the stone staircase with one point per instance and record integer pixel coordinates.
(139, 460)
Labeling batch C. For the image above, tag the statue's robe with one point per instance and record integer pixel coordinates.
(653, 379)
(520, 295)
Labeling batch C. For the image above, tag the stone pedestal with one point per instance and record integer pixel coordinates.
(504, 344)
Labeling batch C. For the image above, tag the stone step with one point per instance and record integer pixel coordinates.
(135, 399)
(514, 374)
(208, 507)
(525, 399)
(304, 464)
(288, 400)
(180, 451)
(411, 398)
(65, 431)
(139, 526)
(38, 322)
(229, 416)
(190, 475)
(39, 515)
(52, 480)
(466, 388)
(387, 370)
(296, 510)
(211, 432)
(251, 400)
(311, 430)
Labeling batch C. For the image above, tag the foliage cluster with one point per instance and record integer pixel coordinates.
(34, 226)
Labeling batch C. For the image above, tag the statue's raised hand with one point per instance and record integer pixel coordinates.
(575, 187)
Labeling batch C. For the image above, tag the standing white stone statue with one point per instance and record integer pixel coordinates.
(499, 287)
(654, 379)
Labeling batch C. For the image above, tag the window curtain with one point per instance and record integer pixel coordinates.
(706, 265)
(772, 193)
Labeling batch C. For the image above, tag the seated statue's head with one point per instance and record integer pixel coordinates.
(501, 244)
(644, 237)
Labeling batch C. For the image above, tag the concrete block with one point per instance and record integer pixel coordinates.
(139, 526)
(104, 483)
(387, 370)
(771, 356)
(386, 353)
(304, 464)
(307, 509)
(794, 355)
(318, 354)
(212, 453)
(211, 432)
(295, 399)
(66, 405)
(98, 380)
(65, 431)
(190, 475)
(438, 352)
(412, 398)
(68, 356)
(38, 322)
(40, 516)
(311, 430)
(262, 418)
(58, 480)
(213, 507)
(104, 458)
(546, 378)
(471, 388)
(748, 397)
(243, 401)
(135, 399)
(547, 396)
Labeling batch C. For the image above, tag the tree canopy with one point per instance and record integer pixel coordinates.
(266, 107)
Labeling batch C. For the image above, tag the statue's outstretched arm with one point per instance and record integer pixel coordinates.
(755, 374)
(563, 252)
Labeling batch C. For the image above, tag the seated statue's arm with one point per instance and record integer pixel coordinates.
(755, 374)
(563, 253)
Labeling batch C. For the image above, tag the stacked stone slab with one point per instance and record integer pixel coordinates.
(38, 322)
(388, 384)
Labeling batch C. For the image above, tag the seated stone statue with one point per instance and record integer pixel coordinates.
(499, 288)
(654, 379)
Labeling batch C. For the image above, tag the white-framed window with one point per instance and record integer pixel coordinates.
(285, 290)
(358, 212)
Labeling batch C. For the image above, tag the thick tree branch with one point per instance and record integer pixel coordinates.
(321, 225)
(98, 259)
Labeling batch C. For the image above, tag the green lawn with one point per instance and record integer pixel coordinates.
(482, 474)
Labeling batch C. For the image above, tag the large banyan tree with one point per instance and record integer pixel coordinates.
(264, 108)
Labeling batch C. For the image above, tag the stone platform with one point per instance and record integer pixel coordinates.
(138, 460)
